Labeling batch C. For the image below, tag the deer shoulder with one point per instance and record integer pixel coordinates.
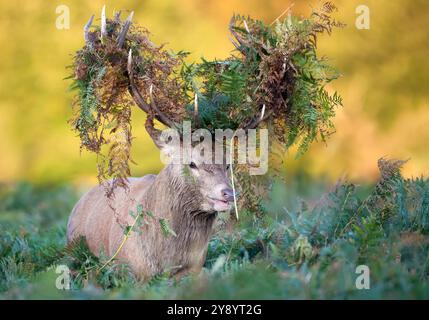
(99, 219)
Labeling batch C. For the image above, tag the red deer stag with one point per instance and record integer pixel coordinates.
(189, 202)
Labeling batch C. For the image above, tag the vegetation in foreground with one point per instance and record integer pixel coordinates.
(299, 249)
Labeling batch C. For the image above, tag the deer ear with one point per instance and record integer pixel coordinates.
(169, 144)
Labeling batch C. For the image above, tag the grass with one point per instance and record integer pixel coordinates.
(304, 247)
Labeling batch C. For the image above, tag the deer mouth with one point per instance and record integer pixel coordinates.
(220, 204)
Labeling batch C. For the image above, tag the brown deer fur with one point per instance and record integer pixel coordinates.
(183, 199)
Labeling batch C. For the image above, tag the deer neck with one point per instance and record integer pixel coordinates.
(177, 199)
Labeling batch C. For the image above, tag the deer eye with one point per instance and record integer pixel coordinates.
(193, 165)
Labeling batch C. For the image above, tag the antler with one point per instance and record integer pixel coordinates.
(240, 45)
(123, 34)
(152, 110)
(150, 107)
(256, 121)
(103, 30)
(86, 30)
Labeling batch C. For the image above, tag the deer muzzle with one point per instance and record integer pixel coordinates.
(228, 194)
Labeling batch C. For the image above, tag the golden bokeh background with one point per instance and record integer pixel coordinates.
(384, 83)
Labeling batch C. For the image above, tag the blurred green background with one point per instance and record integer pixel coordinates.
(384, 83)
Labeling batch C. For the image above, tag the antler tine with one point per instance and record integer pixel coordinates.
(103, 31)
(86, 29)
(231, 29)
(256, 121)
(123, 34)
(245, 26)
(236, 45)
(196, 111)
(117, 16)
(196, 105)
(139, 100)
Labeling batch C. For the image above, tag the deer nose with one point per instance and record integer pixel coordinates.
(228, 194)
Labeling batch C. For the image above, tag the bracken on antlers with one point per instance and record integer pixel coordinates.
(274, 78)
